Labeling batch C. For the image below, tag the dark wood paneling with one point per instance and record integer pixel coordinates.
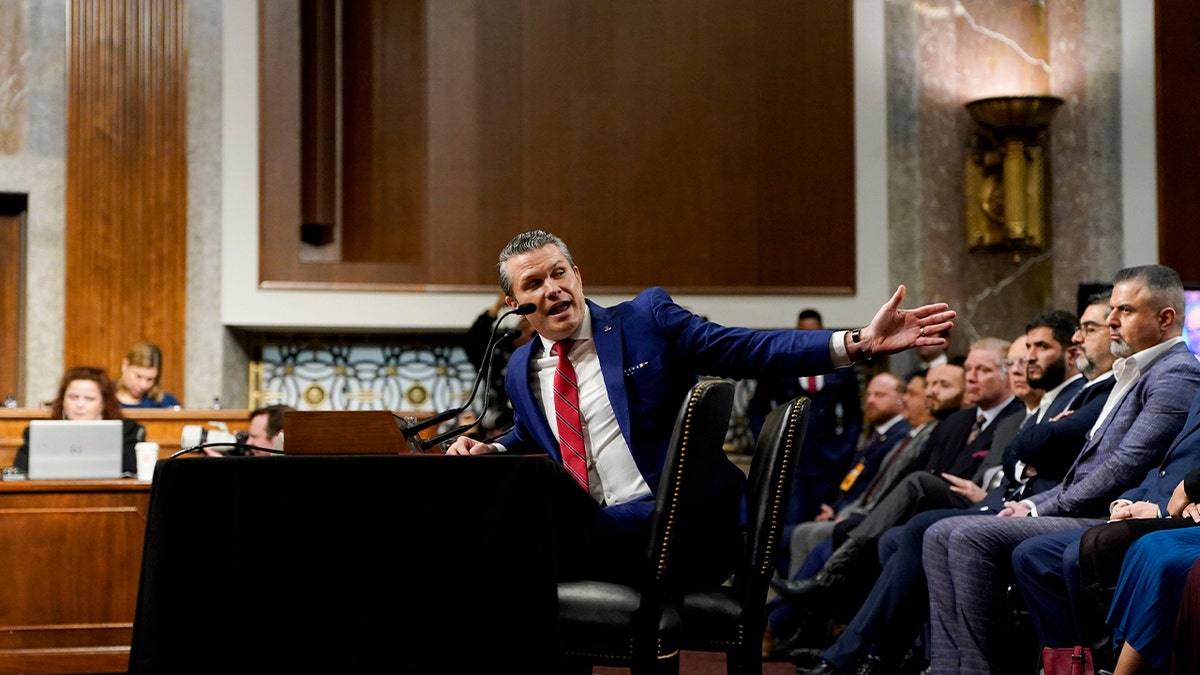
(1178, 66)
(699, 144)
(12, 287)
(126, 182)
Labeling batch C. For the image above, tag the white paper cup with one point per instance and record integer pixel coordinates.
(147, 457)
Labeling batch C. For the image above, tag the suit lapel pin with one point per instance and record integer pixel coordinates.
(608, 329)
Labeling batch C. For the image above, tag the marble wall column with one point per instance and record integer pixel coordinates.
(942, 54)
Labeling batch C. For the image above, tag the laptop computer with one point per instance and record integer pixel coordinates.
(73, 450)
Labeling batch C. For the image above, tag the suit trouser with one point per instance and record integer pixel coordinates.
(804, 539)
(967, 563)
(918, 491)
(891, 618)
(1066, 578)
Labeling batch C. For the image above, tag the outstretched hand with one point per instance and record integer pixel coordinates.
(894, 329)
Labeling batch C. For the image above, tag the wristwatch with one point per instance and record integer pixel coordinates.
(856, 338)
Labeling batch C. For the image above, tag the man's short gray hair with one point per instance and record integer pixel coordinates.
(524, 243)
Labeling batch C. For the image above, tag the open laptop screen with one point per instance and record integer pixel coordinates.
(72, 450)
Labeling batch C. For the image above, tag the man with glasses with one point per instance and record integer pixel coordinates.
(891, 616)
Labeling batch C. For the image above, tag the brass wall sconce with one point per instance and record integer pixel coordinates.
(1006, 173)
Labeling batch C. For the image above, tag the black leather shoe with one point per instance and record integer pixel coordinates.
(822, 668)
(804, 657)
(809, 589)
(875, 666)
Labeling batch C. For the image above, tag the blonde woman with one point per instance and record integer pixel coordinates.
(140, 383)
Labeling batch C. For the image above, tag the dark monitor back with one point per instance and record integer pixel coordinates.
(347, 563)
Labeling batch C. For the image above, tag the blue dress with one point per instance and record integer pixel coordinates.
(1146, 602)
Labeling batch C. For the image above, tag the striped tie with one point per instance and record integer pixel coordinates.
(566, 409)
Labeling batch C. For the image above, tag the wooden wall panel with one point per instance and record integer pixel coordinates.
(1178, 67)
(126, 182)
(703, 145)
(12, 287)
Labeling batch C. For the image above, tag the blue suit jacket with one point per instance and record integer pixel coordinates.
(1051, 447)
(651, 352)
(1132, 440)
(1182, 457)
(871, 458)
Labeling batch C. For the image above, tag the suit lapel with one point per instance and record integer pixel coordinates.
(1065, 398)
(523, 398)
(610, 350)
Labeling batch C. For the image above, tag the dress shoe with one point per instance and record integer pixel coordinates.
(807, 590)
(822, 668)
(873, 665)
(804, 657)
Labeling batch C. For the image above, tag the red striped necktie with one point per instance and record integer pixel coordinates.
(566, 409)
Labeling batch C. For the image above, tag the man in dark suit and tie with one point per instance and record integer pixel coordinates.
(835, 422)
(633, 365)
(890, 619)
(958, 447)
(968, 559)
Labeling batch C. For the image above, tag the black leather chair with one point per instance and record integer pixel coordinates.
(732, 618)
(602, 623)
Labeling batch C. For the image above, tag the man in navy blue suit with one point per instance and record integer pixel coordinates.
(634, 364)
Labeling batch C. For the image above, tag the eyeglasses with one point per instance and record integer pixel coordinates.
(1089, 327)
(1009, 363)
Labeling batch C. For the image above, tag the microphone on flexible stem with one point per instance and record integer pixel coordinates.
(411, 432)
(487, 394)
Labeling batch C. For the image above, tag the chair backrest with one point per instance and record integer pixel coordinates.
(771, 473)
(697, 445)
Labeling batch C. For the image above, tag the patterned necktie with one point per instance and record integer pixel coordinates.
(566, 409)
(975, 429)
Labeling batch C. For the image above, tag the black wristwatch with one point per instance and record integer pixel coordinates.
(856, 338)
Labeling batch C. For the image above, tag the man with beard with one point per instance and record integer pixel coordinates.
(968, 560)
(958, 446)
(898, 598)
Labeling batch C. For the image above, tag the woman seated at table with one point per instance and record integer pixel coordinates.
(87, 393)
(140, 385)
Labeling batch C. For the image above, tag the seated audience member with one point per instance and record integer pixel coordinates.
(265, 433)
(1035, 465)
(887, 428)
(812, 539)
(1145, 606)
(958, 447)
(87, 393)
(140, 383)
(835, 423)
(886, 628)
(968, 559)
(599, 389)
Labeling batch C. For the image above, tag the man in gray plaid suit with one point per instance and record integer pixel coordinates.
(967, 559)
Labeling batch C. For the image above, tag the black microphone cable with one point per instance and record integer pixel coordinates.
(462, 429)
(415, 429)
(245, 447)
